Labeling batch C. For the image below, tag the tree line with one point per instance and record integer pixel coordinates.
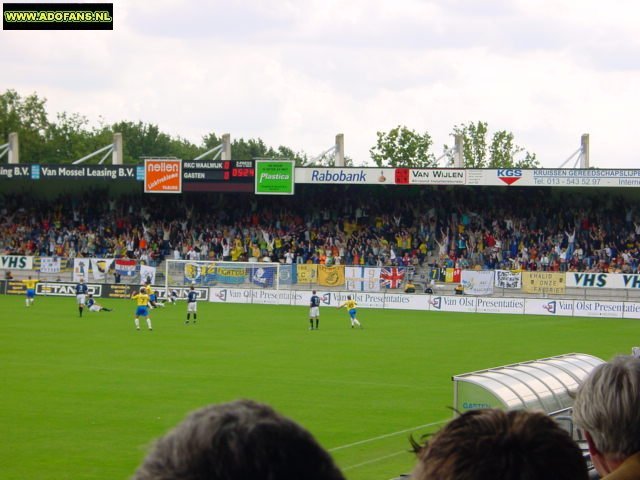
(70, 136)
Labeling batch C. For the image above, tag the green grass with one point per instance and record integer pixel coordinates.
(82, 398)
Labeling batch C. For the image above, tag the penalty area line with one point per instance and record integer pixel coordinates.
(386, 435)
(351, 467)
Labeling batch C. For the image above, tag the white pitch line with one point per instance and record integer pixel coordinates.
(374, 460)
(373, 439)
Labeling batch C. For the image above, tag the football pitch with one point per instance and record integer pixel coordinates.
(83, 398)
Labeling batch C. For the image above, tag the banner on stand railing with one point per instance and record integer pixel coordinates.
(477, 282)
(16, 262)
(81, 268)
(126, 267)
(50, 264)
(100, 267)
(362, 278)
(552, 283)
(147, 274)
(508, 279)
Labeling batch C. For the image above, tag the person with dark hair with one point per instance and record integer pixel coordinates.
(351, 306)
(30, 290)
(607, 408)
(93, 306)
(192, 305)
(142, 310)
(81, 295)
(409, 287)
(314, 310)
(493, 444)
(237, 441)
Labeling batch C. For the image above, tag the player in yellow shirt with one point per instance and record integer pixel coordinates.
(351, 305)
(142, 310)
(30, 285)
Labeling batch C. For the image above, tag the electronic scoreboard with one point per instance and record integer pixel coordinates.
(218, 175)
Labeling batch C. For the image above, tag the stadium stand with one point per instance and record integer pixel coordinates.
(438, 227)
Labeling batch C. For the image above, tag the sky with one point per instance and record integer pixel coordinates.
(296, 73)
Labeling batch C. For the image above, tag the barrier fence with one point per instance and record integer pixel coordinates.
(384, 300)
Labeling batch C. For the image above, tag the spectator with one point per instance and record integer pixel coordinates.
(409, 287)
(607, 408)
(238, 440)
(492, 444)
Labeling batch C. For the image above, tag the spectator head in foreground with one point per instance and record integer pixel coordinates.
(493, 444)
(607, 408)
(238, 440)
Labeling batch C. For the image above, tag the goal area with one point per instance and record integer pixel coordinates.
(183, 273)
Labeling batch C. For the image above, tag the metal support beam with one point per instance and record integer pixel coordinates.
(93, 154)
(226, 146)
(330, 150)
(584, 141)
(217, 150)
(116, 157)
(14, 148)
(458, 154)
(339, 148)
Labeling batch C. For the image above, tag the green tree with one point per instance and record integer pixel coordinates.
(500, 152)
(402, 147)
(27, 117)
(69, 138)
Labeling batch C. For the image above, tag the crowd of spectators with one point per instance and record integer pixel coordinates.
(482, 228)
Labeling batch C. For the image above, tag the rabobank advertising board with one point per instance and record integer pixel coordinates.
(351, 176)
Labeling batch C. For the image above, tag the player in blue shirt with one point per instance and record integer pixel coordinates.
(81, 294)
(314, 310)
(192, 305)
(94, 307)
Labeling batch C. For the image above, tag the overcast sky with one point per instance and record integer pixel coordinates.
(296, 73)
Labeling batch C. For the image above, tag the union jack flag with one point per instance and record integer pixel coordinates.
(392, 277)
